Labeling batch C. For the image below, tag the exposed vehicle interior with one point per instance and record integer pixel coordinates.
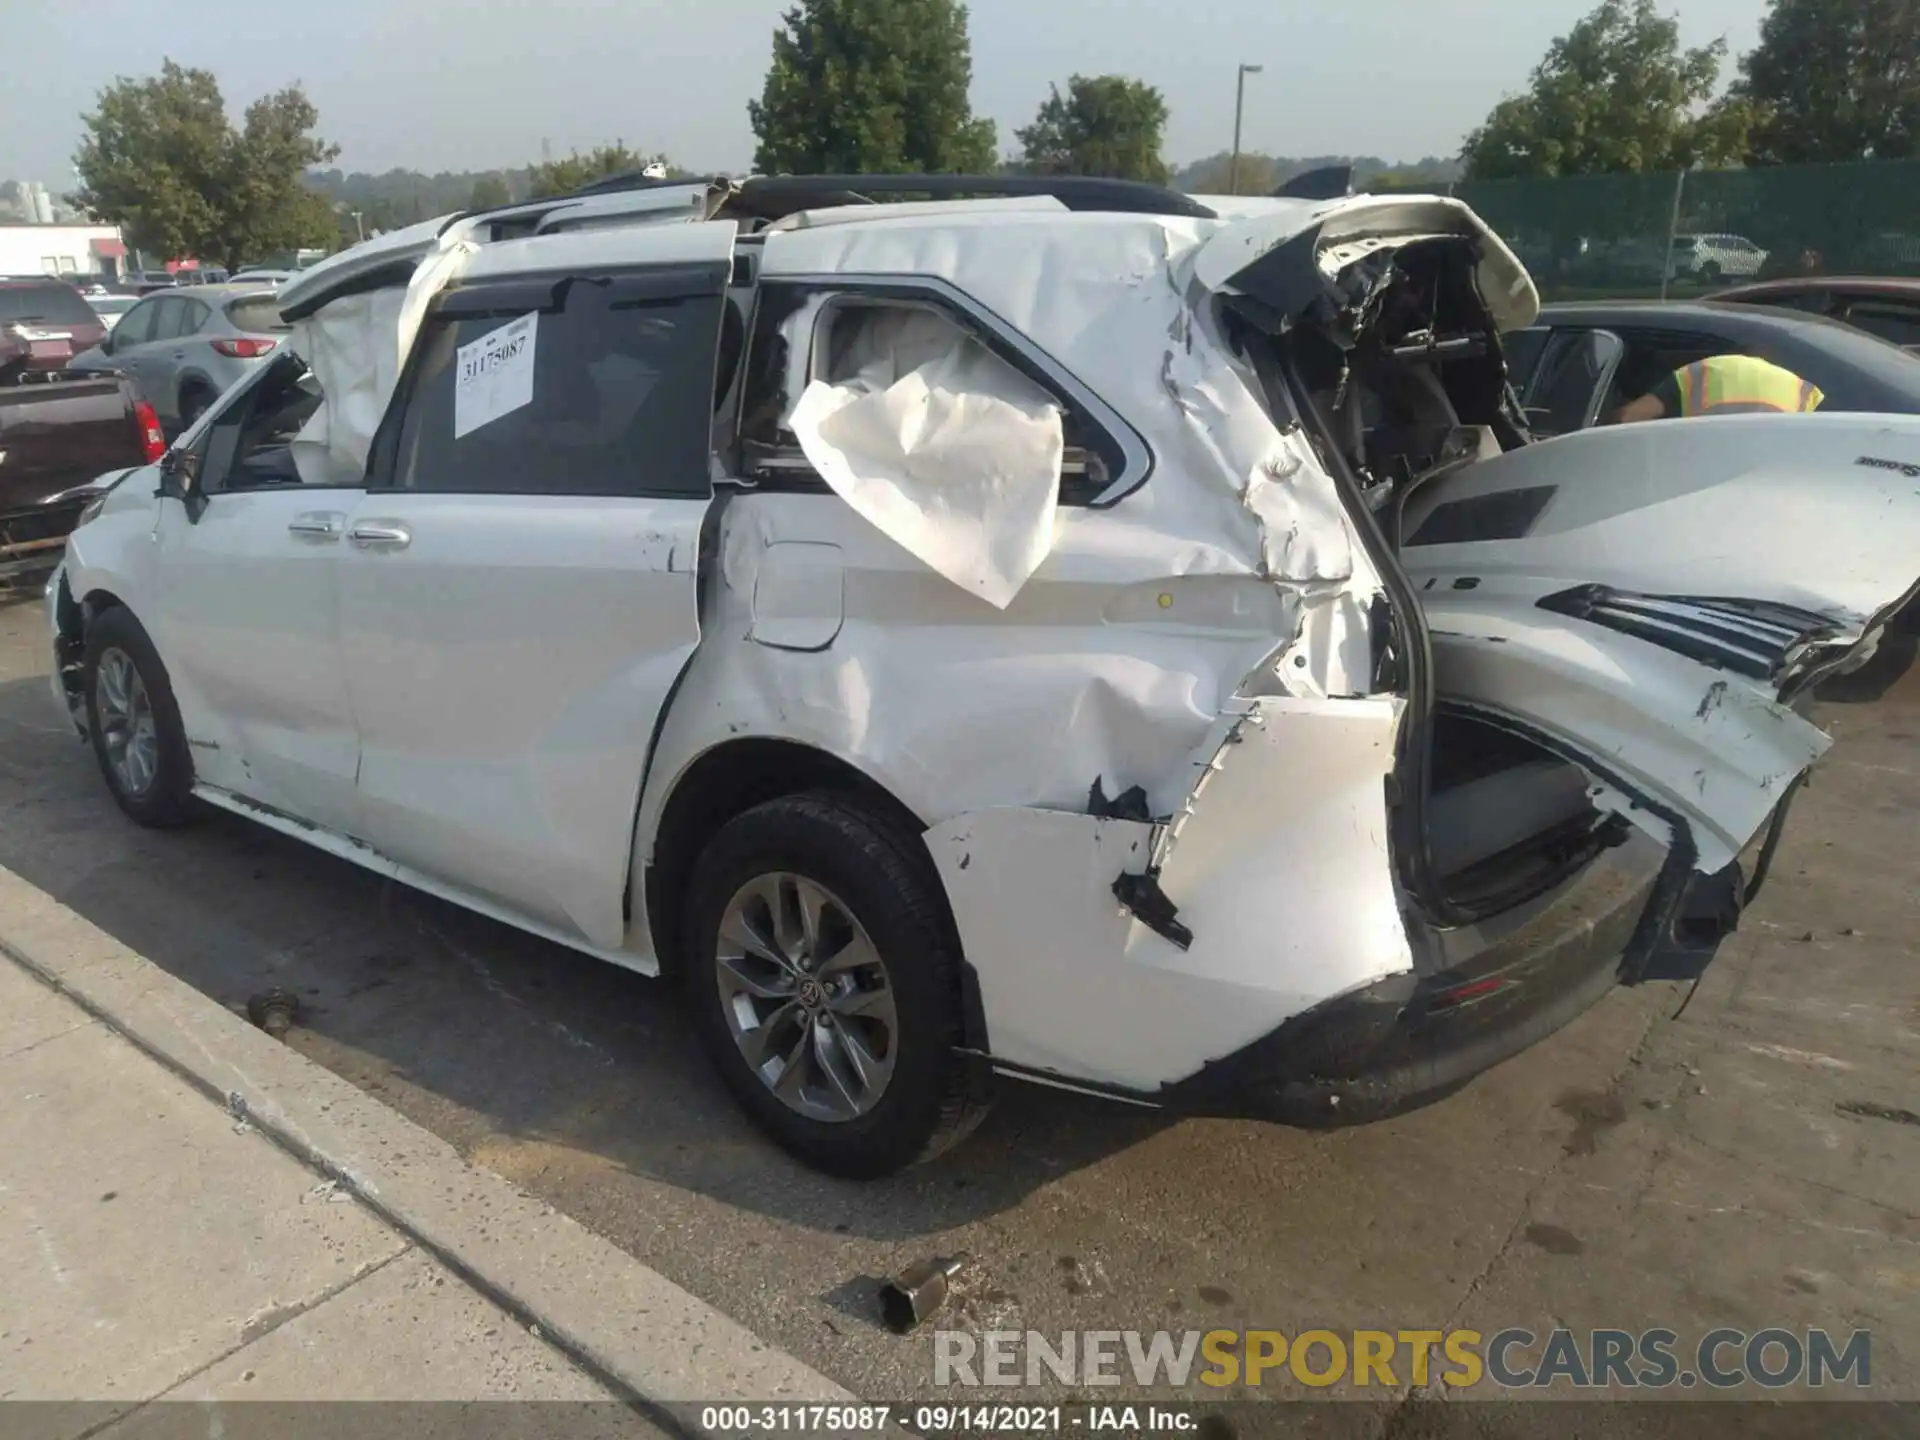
(1403, 373)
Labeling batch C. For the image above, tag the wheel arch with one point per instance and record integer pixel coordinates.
(727, 780)
(731, 778)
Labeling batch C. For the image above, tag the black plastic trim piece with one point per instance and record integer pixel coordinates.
(381, 277)
(1501, 515)
(1148, 903)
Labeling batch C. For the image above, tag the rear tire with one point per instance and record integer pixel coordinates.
(817, 941)
(194, 401)
(135, 724)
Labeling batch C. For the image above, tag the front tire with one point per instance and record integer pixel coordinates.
(135, 723)
(825, 984)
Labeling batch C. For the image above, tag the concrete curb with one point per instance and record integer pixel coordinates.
(628, 1326)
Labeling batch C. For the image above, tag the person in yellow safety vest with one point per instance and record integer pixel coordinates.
(1724, 385)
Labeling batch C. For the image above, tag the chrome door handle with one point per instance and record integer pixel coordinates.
(380, 535)
(317, 525)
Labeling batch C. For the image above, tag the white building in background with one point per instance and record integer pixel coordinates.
(75, 250)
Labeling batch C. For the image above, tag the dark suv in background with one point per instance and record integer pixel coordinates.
(44, 324)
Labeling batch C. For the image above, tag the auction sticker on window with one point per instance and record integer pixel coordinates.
(493, 376)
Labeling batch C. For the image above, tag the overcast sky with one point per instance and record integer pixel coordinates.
(474, 84)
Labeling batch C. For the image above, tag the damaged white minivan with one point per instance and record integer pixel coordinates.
(1071, 634)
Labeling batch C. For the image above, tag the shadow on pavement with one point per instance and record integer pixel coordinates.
(532, 1059)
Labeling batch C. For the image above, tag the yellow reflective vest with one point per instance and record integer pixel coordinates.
(1733, 384)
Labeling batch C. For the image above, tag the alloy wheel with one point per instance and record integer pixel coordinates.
(126, 722)
(806, 997)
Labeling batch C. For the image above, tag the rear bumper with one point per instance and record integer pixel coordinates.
(1407, 1040)
(33, 538)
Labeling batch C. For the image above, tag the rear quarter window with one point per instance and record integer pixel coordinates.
(256, 314)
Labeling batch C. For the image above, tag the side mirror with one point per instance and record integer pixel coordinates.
(180, 480)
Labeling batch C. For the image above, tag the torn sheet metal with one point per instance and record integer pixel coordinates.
(1229, 492)
(1283, 255)
(1280, 872)
(357, 345)
(1702, 743)
(945, 448)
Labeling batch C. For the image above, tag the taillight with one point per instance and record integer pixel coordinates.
(244, 349)
(152, 441)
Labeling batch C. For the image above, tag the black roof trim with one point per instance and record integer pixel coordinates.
(773, 196)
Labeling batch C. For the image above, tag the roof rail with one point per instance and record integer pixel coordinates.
(773, 195)
(638, 180)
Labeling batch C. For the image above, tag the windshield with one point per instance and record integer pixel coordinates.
(55, 303)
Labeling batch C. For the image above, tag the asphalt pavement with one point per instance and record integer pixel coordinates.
(1753, 1163)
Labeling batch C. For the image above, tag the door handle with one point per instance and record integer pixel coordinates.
(316, 524)
(380, 535)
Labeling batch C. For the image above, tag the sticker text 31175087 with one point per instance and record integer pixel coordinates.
(493, 375)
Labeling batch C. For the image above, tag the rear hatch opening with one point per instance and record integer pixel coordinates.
(1397, 369)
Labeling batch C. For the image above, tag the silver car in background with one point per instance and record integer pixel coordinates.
(182, 348)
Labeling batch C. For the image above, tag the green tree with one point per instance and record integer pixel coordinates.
(1616, 93)
(558, 177)
(871, 87)
(489, 193)
(1257, 174)
(159, 159)
(1103, 125)
(1834, 80)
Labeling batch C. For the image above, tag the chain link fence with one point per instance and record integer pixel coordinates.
(1681, 235)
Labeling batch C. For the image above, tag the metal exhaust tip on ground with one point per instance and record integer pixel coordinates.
(917, 1292)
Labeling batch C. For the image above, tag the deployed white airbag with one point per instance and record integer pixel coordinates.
(356, 347)
(940, 444)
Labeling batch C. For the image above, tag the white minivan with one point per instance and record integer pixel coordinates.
(1071, 634)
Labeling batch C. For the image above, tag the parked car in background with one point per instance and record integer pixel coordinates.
(145, 282)
(1892, 252)
(65, 440)
(1580, 361)
(44, 324)
(182, 348)
(252, 275)
(1708, 258)
(110, 307)
(203, 275)
(1880, 305)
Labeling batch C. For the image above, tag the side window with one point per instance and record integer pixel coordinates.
(193, 318)
(249, 445)
(167, 317)
(136, 326)
(1898, 323)
(1522, 349)
(875, 340)
(590, 386)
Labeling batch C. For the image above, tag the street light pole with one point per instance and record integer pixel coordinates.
(1239, 105)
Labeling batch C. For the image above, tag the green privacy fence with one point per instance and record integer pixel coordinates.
(1617, 235)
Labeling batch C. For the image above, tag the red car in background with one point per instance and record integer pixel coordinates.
(1887, 306)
